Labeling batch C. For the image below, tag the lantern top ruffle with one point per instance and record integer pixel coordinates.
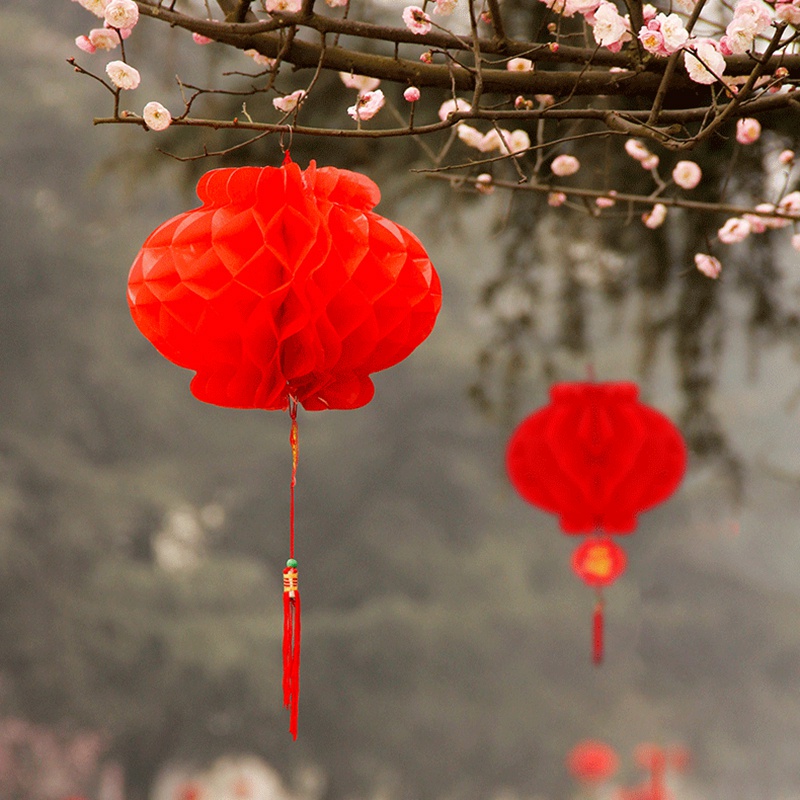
(284, 283)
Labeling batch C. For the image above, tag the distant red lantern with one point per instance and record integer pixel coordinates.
(283, 288)
(597, 457)
(591, 761)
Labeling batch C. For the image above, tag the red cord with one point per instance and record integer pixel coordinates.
(597, 632)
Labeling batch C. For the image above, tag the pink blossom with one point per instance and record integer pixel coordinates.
(544, 100)
(97, 7)
(85, 43)
(795, 240)
(687, 174)
(283, 6)
(664, 34)
(520, 102)
(703, 61)
(788, 11)
(156, 117)
(748, 130)
(708, 265)
(122, 75)
(367, 105)
(471, 137)
(655, 217)
(260, 59)
(651, 162)
(556, 199)
(490, 141)
(635, 148)
(445, 7)
(416, 20)
(610, 28)
(426, 57)
(519, 65)
(454, 104)
(652, 40)
(786, 157)
(605, 202)
(104, 38)
(121, 14)
(565, 165)
(412, 94)
(200, 39)
(289, 102)
(483, 183)
(649, 12)
(360, 82)
(760, 223)
(790, 204)
(515, 142)
(583, 7)
(336, 3)
(735, 230)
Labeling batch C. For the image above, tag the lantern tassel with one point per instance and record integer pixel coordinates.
(291, 598)
(597, 632)
(291, 644)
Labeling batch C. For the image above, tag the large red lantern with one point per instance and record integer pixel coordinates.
(283, 288)
(597, 457)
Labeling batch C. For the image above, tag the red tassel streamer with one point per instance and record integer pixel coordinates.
(291, 644)
(597, 633)
(291, 598)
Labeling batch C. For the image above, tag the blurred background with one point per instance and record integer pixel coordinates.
(446, 642)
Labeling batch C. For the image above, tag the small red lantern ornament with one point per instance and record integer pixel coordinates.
(592, 761)
(284, 287)
(597, 457)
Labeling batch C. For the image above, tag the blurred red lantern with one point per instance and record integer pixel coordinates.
(591, 761)
(284, 287)
(597, 457)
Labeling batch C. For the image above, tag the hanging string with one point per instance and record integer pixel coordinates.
(597, 630)
(291, 598)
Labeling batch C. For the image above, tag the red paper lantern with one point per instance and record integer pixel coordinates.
(591, 761)
(284, 287)
(284, 284)
(597, 457)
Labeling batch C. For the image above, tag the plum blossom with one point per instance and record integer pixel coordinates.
(556, 199)
(790, 204)
(519, 65)
(97, 7)
(687, 174)
(515, 142)
(454, 104)
(748, 130)
(285, 6)
(416, 20)
(260, 59)
(445, 7)
(703, 61)
(290, 102)
(471, 137)
(786, 157)
(564, 165)
(85, 43)
(361, 82)
(610, 28)
(412, 94)
(655, 217)
(759, 222)
(650, 162)
(544, 100)
(490, 141)
(336, 3)
(708, 265)
(156, 117)
(635, 148)
(584, 7)
(483, 183)
(122, 75)
(605, 202)
(200, 39)
(121, 14)
(735, 230)
(104, 38)
(367, 105)
(788, 11)
(664, 34)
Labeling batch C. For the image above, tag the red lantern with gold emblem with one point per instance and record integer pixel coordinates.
(283, 288)
(597, 457)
